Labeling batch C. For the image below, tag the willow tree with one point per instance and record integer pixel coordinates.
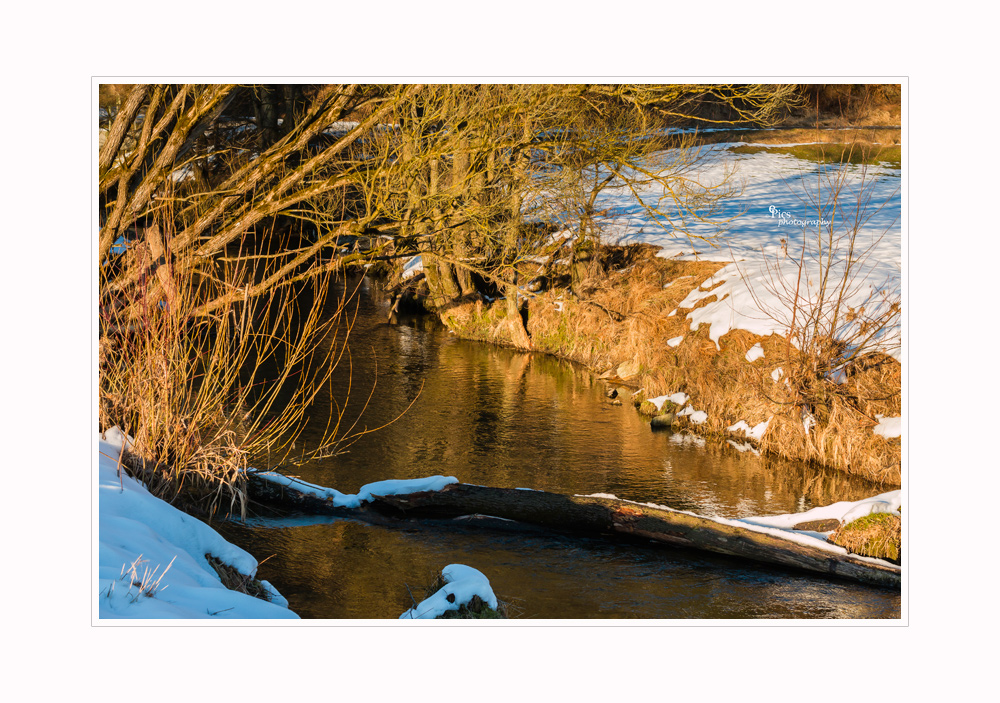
(202, 321)
(468, 167)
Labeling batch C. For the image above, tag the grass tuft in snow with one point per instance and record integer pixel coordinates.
(874, 535)
(235, 581)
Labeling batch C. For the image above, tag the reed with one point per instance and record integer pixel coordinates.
(205, 395)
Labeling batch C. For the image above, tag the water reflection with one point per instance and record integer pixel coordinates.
(502, 418)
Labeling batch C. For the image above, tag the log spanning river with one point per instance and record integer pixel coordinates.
(496, 417)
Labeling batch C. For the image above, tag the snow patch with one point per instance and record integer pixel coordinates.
(755, 352)
(413, 266)
(889, 427)
(461, 583)
(755, 432)
(698, 417)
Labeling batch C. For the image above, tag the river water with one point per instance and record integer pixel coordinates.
(498, 417)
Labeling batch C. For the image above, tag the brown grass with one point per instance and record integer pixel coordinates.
(206, 395)
(876, 535)
(627, 319)
(236, 581)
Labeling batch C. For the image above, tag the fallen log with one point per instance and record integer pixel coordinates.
(599, 515)
(602, 515)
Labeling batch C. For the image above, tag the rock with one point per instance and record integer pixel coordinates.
(664, 420)
(628, 369)
(613, 393)
(648, 409)
(818, 525)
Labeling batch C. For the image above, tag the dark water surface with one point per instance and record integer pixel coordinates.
(497, 417)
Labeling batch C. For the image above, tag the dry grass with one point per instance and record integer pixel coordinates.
(627, 319)
(876, 535)
(204, 395)
(475, 609)
(236, 581)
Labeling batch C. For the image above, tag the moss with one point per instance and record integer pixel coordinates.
(875, 535)
(648, 409)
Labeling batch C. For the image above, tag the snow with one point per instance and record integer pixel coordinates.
(153, 563)
(889, 427)
(675, 398)
(461, 584)
(390, 487)
(696, 416)
(335, 497)
(844, 511)
(397, 487)
(781, 525)
(755, 432)
(755, 352)
(675, 341)
(762, 242)
(659, 400)
(413, 266)
(143, 539)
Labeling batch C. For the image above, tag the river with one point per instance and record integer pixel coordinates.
(497, 417)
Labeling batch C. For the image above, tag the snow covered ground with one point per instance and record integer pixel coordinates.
(152, 563)
(767, 225)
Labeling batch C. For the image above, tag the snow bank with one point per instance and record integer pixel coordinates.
(461, 584)
(144, 540)
(675, 398)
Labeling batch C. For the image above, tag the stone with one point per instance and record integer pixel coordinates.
(664, 420)
(818, 525)
(628, 369)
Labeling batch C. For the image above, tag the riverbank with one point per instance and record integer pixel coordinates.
(780, 335)
(157, 562)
